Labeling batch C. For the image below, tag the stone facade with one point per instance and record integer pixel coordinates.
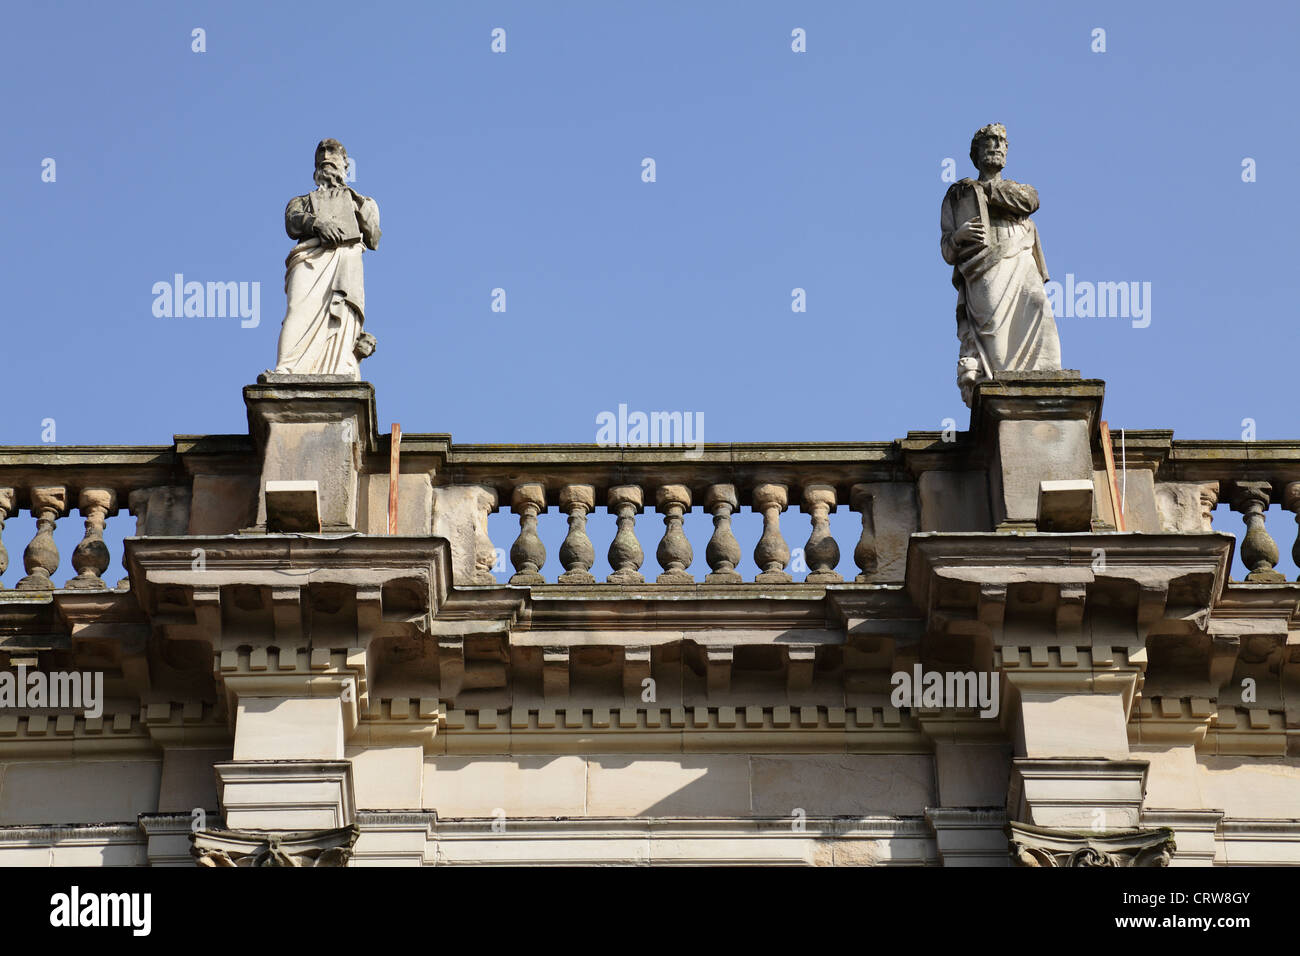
(287, 683)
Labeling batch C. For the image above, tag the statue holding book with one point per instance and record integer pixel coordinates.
(323, 330)
(1004, 321)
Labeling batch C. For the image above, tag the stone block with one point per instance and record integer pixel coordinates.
(972, 775)
(1138, 492)
(475, 786)
(1089, 794)
(1181, 506)
(1031, 451)
(848, 784)
(160, 511)
(320, 451)
(81, 791)
(954, 501)
(460, 516)
(104, 854)
(187, 780)
(713, 785)
(388, 778)
(293, 506)
(1251, 787)
(1071, 725)
(1173, 780)
(414, 504)
(894, 509)
(222, 504)
(297, 728)
(1065, 504)
(286, 794)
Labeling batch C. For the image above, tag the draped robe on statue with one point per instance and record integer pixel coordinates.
(1004, 320)
(324, 283)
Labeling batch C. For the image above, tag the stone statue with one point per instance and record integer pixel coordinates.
(1004, 321)
(322, 331)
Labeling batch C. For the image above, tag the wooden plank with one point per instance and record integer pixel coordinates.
(394, 470)
(1109, 452)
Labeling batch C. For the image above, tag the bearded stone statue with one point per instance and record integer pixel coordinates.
(323, 332)
(1004, 321)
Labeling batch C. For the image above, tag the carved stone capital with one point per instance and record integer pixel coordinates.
(818, 497)
(573, 497)
(1041, 846)
(770, 496)
(309, 848)
(49, 501)
(719, 495)
(530, 495)
(620, 496)
(1291, 496)
(672, 496)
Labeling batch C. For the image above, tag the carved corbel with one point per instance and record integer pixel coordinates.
(451, 665)
(286, 611)
(1152, 600)
(248, 848)
(800, 660)
(1069, 612)
(1041, 846)
(555, 672)
(718, 663)
(992, 609)
(207, 612)
(370, 613)
(636, 670)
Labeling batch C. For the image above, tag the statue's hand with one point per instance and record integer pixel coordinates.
(329, 233)
(972, 230)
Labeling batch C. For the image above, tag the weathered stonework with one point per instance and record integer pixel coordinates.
(351, 697)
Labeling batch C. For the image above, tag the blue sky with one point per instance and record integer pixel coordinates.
(522, 171)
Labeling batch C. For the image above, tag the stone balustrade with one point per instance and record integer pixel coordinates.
(155, 484)
(926, 482)
(922, 483)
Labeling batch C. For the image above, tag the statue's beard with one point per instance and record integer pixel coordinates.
(328, 174)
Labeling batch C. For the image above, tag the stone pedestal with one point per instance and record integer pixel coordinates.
(313, 428)
(1035, 427)
(969, 837)
(1077, 794)
(286, 795)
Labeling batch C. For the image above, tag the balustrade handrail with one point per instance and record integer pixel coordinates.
(51, 480)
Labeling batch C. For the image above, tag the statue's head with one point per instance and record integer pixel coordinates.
(988, 147)
(331, 163)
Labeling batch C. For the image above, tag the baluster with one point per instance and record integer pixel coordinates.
(485, 554)
(771, 554)
(528, 554)
(625, 554)
(90, 557)
(1258, 550)
(577, 554)
(861, 498)
(1290, 501)
(821, 552)
(723, 551)
(674, 551)
(6, 509)
(1209, 501)
(41, 559)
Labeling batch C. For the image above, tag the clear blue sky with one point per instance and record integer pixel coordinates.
(522, 170)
